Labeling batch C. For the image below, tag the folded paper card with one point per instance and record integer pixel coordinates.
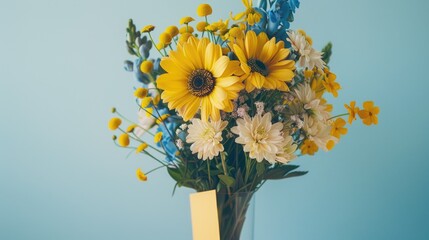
(205, 222)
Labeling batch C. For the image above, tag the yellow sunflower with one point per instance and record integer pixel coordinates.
(264, 62)
(199, 77)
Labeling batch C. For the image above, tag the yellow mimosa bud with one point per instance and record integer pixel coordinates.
(114, 123)
(113, 110)
(114, 137)
(165, 38)
(140, 92)
(124, 140)
(162, 118)
(146, 66)
(140, 175)
(186, 20)
(147, 28)
(131, 128)
(160, 45)
(184, 37)
(145, 102)
(201, 26)
(204, 10)
(157, 138)
(141, 147)
(172, 30)
(186, 29)
(156, 99)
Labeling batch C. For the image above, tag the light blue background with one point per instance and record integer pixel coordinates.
(62, 178)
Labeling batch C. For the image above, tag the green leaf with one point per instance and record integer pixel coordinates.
(260, 168)
(327, 52)
(279, 172)
(227, 180)
(175, 174)
(295, 174)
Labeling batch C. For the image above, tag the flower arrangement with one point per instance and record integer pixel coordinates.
(232, 102)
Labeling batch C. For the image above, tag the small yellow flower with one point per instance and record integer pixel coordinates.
(131, 128)
(309, 147)
(156, 99)
(330, 84)
(184, 37)
(338, 128)
(140, 92)
(149, 112)
(204, 10)
(147, 28)
(145, 102)
(146, 66)
(157, 138)
(330, 145)
(186, 20)
(369, 114)
(308, 73)
(308, 38)
(162, 118)
(352, 110)
(211, 28)
(160, 46)
(165, 38)
(141, 147)
(124, 140)
(236, 32)
(172, 30)
(251, 16)
(114, 123)
(140, 175)
(201, 26)
(186, 29)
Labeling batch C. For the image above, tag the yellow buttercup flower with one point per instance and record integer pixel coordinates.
(140, 175)
(199, 77)
(263, 62)
(330, 145)
(236, 32)
(172, 30)
(124, 140)
(145, 102)
(330, 84)
(114, 123)
(204, 10)
(146, 66)
(309, 147)
(251, 16)
(162, 118)
(186, 20)
(147, 28)
(141, 147)
(186, 29)
(338, 128)
(201, 26)
(131, 128)
(369, 113)
(165, 38)
(140, 92)
(352, 110)
(157, 138)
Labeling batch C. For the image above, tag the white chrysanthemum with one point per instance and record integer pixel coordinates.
(261, 138)
(308, 56)
(206, 138)
(308, 98)
(319, 132)
(288, 151)
(146, 121)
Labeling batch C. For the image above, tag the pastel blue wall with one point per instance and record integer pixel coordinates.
(62, 178)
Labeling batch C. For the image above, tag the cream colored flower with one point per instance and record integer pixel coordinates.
(146, 121)
(311, 103)
(308, 56)
(206, 138)
(288, 151)
(319, 132)
(261, 139)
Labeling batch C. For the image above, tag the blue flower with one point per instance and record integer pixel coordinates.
(167, 142)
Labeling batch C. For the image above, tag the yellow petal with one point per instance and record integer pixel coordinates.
(220, 66)
(250, 42)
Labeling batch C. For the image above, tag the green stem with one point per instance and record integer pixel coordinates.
(154, 44)
(153, 170)
(340, 115)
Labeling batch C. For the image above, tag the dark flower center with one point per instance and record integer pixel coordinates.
(258, 66)
(201, 83)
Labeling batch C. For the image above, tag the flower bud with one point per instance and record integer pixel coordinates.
(114, 123)
(124, 140)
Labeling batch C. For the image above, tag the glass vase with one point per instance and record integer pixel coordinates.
(236, 212)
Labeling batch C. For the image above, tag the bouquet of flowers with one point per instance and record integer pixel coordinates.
(232, 102)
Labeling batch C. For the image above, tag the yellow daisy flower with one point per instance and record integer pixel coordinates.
(264, 62)
(199, 77)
